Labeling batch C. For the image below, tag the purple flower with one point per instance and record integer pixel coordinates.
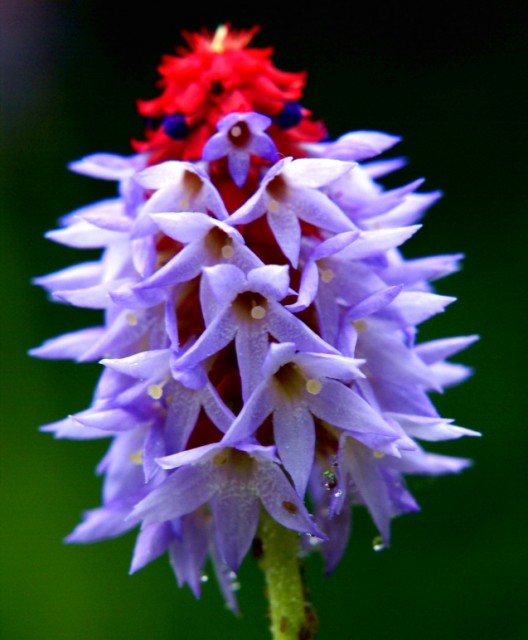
(239, 136)
(260, 330)
(234, 480)
(289, 192)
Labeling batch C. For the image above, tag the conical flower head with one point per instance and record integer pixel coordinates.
(260, 343)
(216, 75)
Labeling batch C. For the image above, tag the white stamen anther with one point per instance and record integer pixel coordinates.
(258, 312)
(235, 131)
(313, 386)
(227, 251)
(327, 275)
(155, 391)
(360, 325)
(137, 457)
(273, 206)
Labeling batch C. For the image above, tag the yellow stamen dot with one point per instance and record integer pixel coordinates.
(313, 386)
(220, 458)
(217, 43)
(258, 312)
(273, 206)
(327, 275)
(360, 325)
(131, 319)
(227, 251)
(184, 203)
(136, 458)
(155, 391)
(378, 454)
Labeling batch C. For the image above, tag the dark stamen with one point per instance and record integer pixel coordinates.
(175, 126)
(290, 115)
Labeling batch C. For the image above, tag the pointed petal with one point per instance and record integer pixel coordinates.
(372, 242)
(114, 420)
(71, 429)
(101, 524)
(188, 555)
(182, 492)
(107, 166)
(430, 429)
(83, 235)
(328, 365)
(307, 288)
(225, 282)
(433, 464)
(342, 407)
(286, 327)
(369, 481)
(252, 343)
(282, 502)
(184, 226)
(161, 175)
(151, 543)
(294, 431)
(436, 350)
(146, 364)
(315, 173)
(256, 409)
(272, 280)
(216, 336)
(236, 514)
(77, 276)
(356, 145)
(68, 346)
(373, 303)
(287, 232)
(186, 265)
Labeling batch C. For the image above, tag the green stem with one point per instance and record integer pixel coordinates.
(291, 616)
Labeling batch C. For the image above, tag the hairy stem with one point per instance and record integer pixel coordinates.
(291, 615)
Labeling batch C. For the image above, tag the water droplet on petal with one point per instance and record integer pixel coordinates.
(314, 541)
(378, 544)
(329, 479)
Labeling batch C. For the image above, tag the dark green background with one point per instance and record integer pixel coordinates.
(452, 82)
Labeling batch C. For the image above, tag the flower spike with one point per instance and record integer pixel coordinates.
(262, 373)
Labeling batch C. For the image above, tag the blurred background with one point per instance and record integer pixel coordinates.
(451, 80)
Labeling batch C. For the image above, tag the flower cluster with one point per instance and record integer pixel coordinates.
(259, 343)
